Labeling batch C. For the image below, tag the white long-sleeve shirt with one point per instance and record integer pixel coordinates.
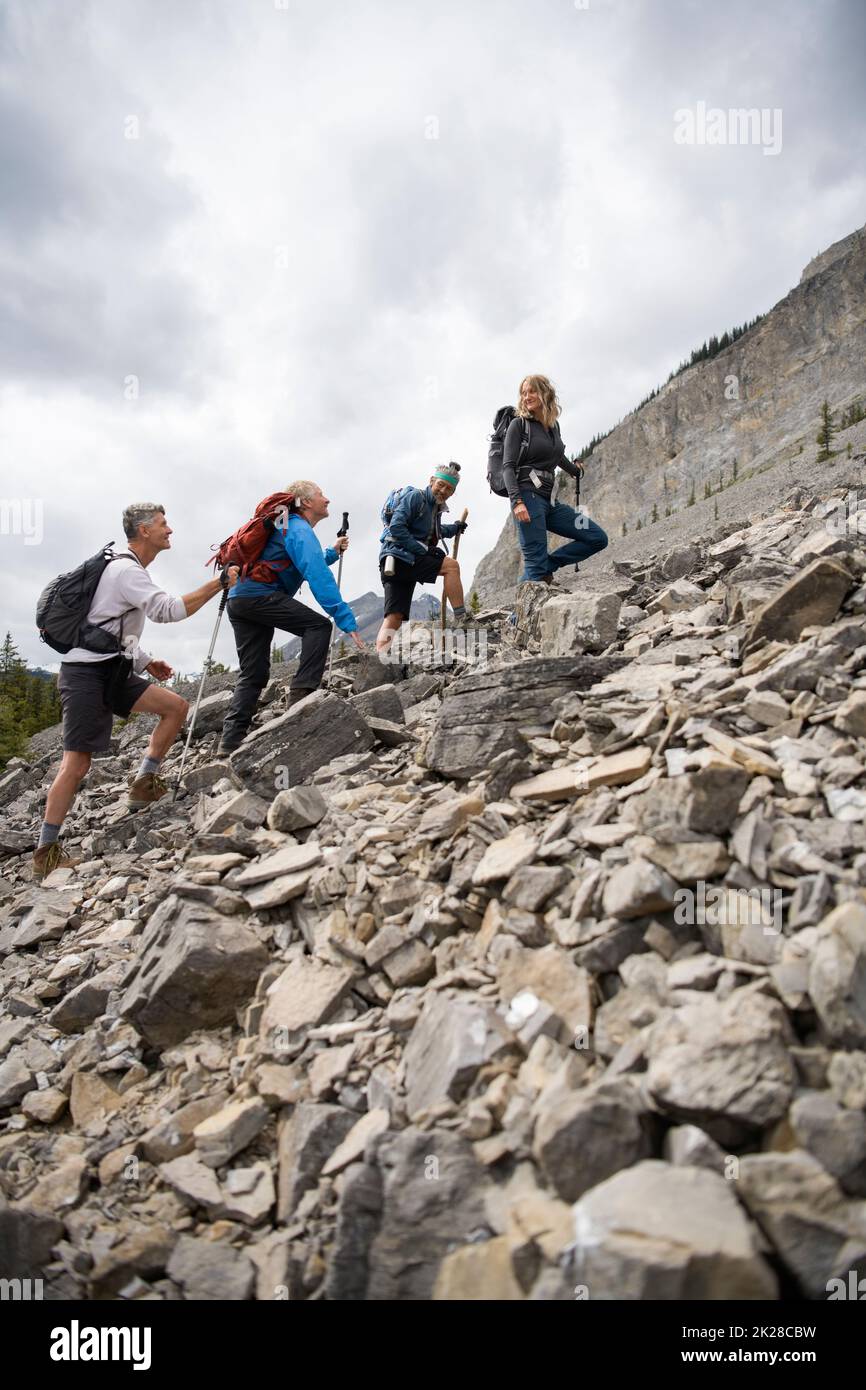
(126, 584)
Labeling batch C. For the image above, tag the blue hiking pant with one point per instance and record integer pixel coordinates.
(585, 538)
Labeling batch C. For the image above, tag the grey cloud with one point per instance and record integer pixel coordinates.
(87, 291)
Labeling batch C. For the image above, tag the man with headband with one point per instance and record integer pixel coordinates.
(410, 552)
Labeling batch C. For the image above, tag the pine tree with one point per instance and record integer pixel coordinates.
(639, 526)
(474, 602)
(10, 661)
(691, 501)
(655, 512)
(734, 471)
(825, 434)
(276, 654)
(12, 738)
(625, 528)
(716, 509)
(14, 681)
(708, 491)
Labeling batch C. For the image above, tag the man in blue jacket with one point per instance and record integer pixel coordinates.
(410, 553)
(256, 608)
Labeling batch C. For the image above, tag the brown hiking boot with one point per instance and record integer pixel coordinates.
(51, 857)
(145, 790)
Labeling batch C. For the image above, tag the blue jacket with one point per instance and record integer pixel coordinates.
(308, 563)
(412, 522)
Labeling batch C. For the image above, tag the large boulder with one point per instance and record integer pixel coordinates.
(727, 1062)
(585, 1136)
(817, 1232)
(382, 702)
(433, 1191)
(811, 598)
(291, 748)
(194, 969)
(659, 1232)
(703, 802)
(452, 1040)
(211, 713)
(582, 622)
(837, 976)
(482, 713)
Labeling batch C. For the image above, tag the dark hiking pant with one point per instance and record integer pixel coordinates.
(254, 620)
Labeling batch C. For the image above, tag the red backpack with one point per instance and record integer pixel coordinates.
(245, 546)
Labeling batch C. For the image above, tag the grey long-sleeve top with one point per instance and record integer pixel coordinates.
(545, 454)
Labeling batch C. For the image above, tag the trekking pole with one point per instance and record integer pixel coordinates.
(344, 529)
(223, 602)
(454, 557)
(577, 499)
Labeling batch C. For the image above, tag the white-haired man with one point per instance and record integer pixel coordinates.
(257, 607)
(94, 687)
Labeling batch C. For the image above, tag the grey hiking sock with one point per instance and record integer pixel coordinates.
(148, 765)
(48, 834)
(460, 612)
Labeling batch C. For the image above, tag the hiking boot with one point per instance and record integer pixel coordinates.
(145, 790)
(297, 693)
(227, 746)
(51, 857)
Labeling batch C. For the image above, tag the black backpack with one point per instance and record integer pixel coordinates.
(61, 613)
(502, 420)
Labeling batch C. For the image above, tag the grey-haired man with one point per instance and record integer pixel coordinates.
(94, 688)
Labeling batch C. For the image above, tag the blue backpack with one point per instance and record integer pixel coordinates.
(389, 506)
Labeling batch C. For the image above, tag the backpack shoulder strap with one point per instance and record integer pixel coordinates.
(524, 443)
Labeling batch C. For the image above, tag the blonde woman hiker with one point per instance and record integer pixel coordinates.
(532, 452)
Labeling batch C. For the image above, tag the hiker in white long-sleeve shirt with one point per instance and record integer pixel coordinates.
(94, 687)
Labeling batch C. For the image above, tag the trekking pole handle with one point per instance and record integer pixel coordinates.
(345, 526)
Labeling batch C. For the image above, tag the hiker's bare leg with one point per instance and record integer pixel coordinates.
(390, 625)
(452, 583)
(74, 767)
(172, 710)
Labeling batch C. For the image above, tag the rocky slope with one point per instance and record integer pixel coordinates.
(755, 405)
(532, 980)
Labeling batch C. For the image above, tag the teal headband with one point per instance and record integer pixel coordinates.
(446, 477)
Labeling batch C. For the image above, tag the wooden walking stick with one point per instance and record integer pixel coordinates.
(454, 557)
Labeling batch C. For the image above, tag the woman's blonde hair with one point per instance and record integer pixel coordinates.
(550, 407)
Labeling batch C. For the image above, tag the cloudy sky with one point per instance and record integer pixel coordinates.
(244, 241)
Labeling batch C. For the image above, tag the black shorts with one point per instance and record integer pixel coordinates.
(400, 586)
(91, 694)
